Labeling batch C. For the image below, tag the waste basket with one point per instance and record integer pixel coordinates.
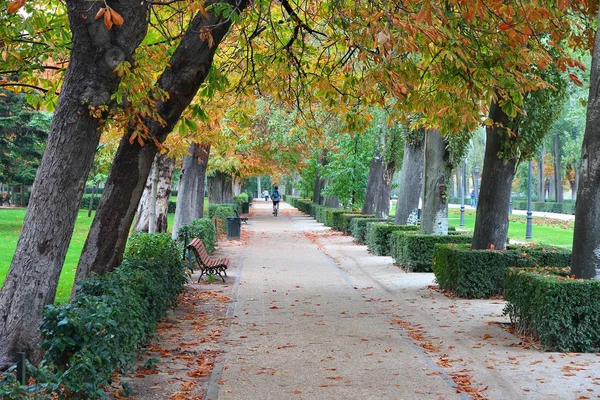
(233, 228)
(245, 208)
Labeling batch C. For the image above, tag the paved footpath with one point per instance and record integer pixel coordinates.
(315, 316)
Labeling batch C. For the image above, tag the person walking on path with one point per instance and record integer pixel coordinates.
(276, 197)
(265, 194)
(472, 198)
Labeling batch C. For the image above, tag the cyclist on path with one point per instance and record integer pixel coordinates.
(276, 197)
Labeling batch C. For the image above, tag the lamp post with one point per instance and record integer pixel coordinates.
(462, 193)
(529, 228)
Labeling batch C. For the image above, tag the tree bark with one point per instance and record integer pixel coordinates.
(258, 188)
(89, 82)
(374, 183)
(166, 167)
(541, 179)
(190, 197)
(491, 221)
(319, 182)
(411, 183)
(558, 187)
(220, 188)
(186, 71)
(585, 259)
(153, 193)
(575, 186)
(437, 172)
(458, 181)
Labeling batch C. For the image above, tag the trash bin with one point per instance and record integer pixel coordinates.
(245, 208)
(233, 228)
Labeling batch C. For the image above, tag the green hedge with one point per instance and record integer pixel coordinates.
(212, 210)
(567, 207)
(563, 314)
(346, 219)
(304, 205)
(480, 273)
(86, 340)
(413, 251)
(358, 227)
(378, 236)
(331, 217)
(203, 229)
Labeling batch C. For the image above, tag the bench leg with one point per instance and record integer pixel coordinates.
(202, 270)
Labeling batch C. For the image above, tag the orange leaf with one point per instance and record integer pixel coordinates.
(575, 79)
(100, 13)
(503, 26)
(15, 6)
(116, 17)
(107, 19)
(203, 10)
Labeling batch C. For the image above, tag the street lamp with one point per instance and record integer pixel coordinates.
(476, 183)
(529, 228)
(462, 194)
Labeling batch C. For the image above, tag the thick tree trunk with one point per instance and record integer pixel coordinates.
(437, 172)
(166, 167)
(153, 193)
(411, 183)
(186, 71)
(551, 188)
(89, 82)
(374, 183)
(491, 222)
(382, 200)
(190, 197)
(541, 190)
(585, 259)
(558, 187)
(458, 181)
(575, 185)
(319, 182)
(220, 188)
(258, 188)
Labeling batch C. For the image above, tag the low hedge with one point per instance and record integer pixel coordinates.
(315, 211)
(567, 207)
(221, 212)
(86, 340)
(212, 209)
(563, 314)
(304, 205)
(413, 251)
(85, 202)
(332, 217)
(480, 273)
(346, 219)
(203, 229)
(358, 226)
(378, 236)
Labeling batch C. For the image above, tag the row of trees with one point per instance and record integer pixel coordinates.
(437, 70)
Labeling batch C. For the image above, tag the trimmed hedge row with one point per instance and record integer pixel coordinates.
(203, 229)
(346, 220)
(378, 236)
(358, 226)
(480, 273)
(86, 340)
(414, 251)
(548, 206)
(563, 314)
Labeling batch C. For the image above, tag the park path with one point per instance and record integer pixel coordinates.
(315, 316)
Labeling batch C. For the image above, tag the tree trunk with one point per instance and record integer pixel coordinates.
(437, 172)
(541, 190)
(382, 201)
(411, 183)
(373, 184)
(190, 197)
(89, 82)
(551, 188)
(452, 188)
(258, 188)
(319, 182)
(558, 187)
(166, 167)
(186, 71)
(491, 222)
(153, 193)
(458, 181)
(585, 259)
(220, 188)
(575, 185)
(237, 187)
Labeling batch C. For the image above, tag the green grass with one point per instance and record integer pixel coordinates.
(11, 221)
(542, 234)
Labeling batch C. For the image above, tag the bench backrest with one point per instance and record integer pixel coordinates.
(197, 245)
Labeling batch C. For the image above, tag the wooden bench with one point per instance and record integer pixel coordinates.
(243, 220)
(208, 265)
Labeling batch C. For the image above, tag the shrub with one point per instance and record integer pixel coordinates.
(346, 219)
(221, 213)
(85, 202)
(358, 226)
(413, 251)
(563, 314)
(172, 207)
(203, 229)
(480, 273)
(378, 236)
(567, 207)
(86, 340)
(304, 205)
(212, 208)
(315, 211)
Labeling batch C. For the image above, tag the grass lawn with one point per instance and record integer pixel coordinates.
(11, 221)
(542, 233)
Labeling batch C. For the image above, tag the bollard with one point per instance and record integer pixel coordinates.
(21, 369)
